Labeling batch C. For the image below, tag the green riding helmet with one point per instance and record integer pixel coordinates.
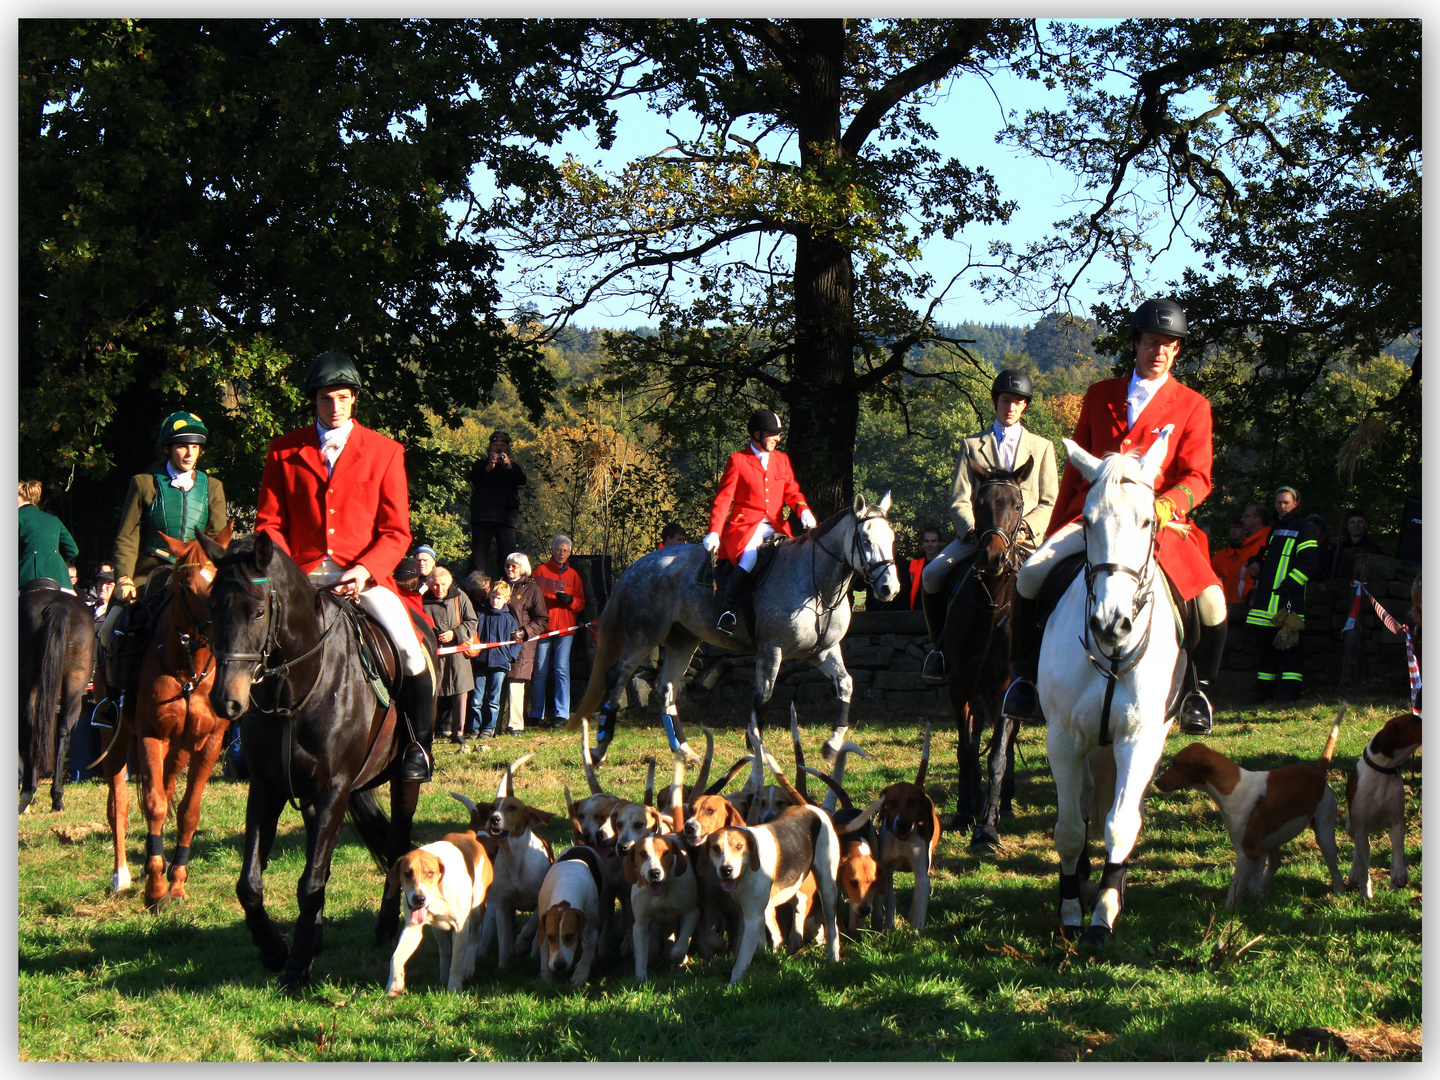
(183, 427)
(331, 369)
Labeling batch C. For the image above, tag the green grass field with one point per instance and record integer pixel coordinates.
(100, 979)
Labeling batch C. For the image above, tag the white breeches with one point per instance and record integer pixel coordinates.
(1069, 539)
(762, 532)
(932, 578)
(387, 609)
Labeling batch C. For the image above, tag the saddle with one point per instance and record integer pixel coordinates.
(134, 626)
(764, 563)
(378, 655)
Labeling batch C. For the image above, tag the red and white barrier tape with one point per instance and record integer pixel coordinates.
(474, 648)
(1395, 626)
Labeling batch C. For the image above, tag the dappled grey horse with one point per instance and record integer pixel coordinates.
(802, 610)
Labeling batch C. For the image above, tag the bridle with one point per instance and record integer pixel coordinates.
(1014, 555)
(854, 558)
(193, 643)
(1113, 665)
(280, 673)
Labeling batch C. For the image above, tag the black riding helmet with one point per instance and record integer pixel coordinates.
(331, 369)
(1160, 317)
(765, 421)
(1011, 382)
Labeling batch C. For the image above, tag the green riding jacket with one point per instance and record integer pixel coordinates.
(152, 506)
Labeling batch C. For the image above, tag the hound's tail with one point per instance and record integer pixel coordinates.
(609, 642)
(1329, 751)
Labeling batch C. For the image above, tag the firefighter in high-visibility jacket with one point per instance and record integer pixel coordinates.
(1277, 606)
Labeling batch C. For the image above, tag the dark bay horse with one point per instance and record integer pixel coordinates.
(801, 610)
(976, 644)
(169, 724)
(57, 654)
(313, 732)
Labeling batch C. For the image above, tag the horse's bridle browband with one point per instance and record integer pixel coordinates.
(869, 572)
(1009, 538)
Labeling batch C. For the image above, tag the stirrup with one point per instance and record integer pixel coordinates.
(726, 623)
(1197, 716)
(1020, 700)
(412, 771)
(934, 670)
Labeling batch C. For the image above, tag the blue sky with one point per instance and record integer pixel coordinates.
(966, 122)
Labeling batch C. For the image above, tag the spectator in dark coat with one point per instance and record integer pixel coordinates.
(527, 603)
(1356, 541)
(1277, 606)
(455, 621)
(45, 544)
(496, 624)
(495, 481)
(1323, 546)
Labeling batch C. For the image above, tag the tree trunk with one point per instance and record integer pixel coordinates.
(823, 396)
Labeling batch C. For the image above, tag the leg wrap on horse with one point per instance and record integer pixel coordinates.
(182, 856)
(154, 846)
(1113, 877)
(1069, 886)
(832, 745)
(671, 732)
(606, 728)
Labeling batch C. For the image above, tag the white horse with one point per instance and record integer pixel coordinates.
(1108, 671)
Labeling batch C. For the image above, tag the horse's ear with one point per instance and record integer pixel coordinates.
(264, 550)
(884, 504)
(976, 466)
(175, 546)
(214, 548)
(1023, 473)
(859, 505)
(1153, 459)
(1086, 462)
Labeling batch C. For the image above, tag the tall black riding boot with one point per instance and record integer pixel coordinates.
(934, 605)
(1021, 700)
(1196, 715)
(727, 622)
(417, 699)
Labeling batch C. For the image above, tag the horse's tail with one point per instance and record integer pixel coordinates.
(371, 823)
(609, 642)
(38, 712)
(1329, 751)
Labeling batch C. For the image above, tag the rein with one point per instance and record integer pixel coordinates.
(192, 643)
(274, 606)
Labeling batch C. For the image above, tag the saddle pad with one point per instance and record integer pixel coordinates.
(1057, 582)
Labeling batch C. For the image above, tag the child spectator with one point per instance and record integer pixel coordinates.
(496, 623)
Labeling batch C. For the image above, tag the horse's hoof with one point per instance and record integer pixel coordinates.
(1096, 935)
(985, 837)
(275, 961)
(1007, 814)
(57, 805)
(120, 881)
(828, 754)
(291, 983)
(959, 823)
(26, 798)
(1069, 932)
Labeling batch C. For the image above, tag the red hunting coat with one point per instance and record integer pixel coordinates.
(749, 493)
(1185, 476)
(360, 515)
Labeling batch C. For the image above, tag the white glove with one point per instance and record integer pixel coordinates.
(711, 543)
(807, 518)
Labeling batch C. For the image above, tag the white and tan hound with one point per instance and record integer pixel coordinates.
(443, 886)
(1375, 797)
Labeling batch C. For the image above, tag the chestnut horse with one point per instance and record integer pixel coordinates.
(170, 725)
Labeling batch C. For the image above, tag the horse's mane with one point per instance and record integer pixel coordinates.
(833, 521)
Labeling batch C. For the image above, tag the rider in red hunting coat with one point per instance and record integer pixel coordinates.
(756, 484)
(334, 496)
(1126, 415)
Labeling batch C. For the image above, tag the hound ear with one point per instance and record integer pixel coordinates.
(264, 551)
(540, 817)
(1023, 472)
(732, 816)
(682, 861)
(632, 872)
(1086, 462)
(754, 850)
